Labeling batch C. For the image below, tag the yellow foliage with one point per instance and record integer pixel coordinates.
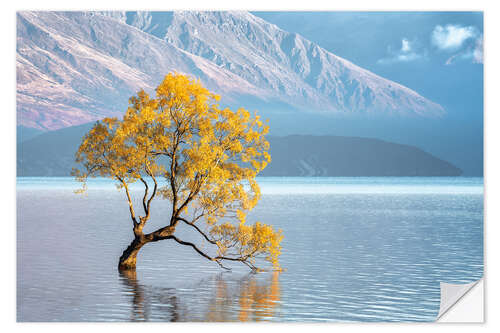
(208, 157)
(249, 241)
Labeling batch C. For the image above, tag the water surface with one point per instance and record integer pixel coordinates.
(354, 249)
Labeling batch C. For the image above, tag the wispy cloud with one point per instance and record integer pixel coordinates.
(477, 54)
(405, 45)
(405, 53)
(473, 52)
(452, 37)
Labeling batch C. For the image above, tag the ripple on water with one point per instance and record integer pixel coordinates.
(354, 250)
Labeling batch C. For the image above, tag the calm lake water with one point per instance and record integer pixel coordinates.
(354, 249)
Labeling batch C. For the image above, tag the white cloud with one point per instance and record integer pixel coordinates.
(408, 57)
(477, 54)
(452, 59)
(473, 52)
(405, 45)
(406, 53)
(452, 37)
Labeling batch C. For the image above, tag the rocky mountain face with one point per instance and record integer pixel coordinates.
(75, 67)
(292, 67)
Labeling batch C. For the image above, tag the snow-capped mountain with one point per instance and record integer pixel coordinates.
(74, 67)
(291, 66)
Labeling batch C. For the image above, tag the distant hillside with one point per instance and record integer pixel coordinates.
(52, 154)
(25, 133)
(307, 155)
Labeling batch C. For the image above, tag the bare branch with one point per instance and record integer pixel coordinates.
(192, 194)
(156, 153)
(146, 188)
(198, 250)
(148, 205)
(250, 265)
(198, 229)
(190, 244)
(221, 265)
(216, 259)
(130, 205)
(173, 169)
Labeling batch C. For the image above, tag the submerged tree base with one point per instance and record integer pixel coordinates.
(128, 259)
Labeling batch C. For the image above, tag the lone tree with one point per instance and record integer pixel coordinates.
(206, 156)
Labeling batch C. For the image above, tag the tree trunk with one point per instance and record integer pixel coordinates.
(128, 259)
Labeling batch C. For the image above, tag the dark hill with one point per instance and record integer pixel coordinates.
(306, 155)
(52, 154)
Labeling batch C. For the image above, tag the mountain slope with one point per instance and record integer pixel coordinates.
(53, 154)
(75, 67)
(293, 68)
(26, 133)
(308, 155)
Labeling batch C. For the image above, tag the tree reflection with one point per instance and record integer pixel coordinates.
(253, 297)
(259, 302)
(147, 300)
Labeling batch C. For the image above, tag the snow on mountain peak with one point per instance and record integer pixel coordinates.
(294, 68)
(74, 67)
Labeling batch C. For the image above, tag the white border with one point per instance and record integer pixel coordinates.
(492, 140)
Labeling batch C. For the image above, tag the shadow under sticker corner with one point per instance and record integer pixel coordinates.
(462, 303)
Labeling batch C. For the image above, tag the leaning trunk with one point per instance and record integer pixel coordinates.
(128, 259)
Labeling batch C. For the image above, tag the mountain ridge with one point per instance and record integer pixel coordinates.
(319, 68)
(66, 74)
(76, 67)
